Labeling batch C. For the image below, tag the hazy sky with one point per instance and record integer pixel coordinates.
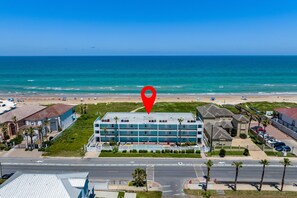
(158, 27)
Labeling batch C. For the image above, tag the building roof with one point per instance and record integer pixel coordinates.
(137, 117)
(290, 112)
(224, 124)
(218, 132)
(50, 112)
(240, 118)
(20, 112)
(29, 185)
(213, 111)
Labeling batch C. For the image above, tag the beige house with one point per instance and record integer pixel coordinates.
(225, 123)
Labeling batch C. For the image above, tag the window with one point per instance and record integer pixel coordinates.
(97, 132)
(96, 125)
(199, 126)
(293, 122)
(112, 125)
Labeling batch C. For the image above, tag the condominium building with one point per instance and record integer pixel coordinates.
(145, 128)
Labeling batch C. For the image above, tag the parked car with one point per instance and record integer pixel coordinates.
(7, 176)
(272, 141)
(278, 144)
(283, 148)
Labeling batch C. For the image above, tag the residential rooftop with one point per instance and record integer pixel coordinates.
(20, 112)
(213, 111)
(29, 185)
(50, 112)
(137, 117)
(218, 133)
(290, 112)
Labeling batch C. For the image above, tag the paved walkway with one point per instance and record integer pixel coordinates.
(91, 154)
(136, 109)
(14, 152)
(255, 152)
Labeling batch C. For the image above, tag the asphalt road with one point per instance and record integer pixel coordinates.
(170, 173)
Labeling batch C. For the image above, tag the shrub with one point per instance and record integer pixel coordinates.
(167, 151)
(175, 151)
(124, 151)
(190, 151)
(183, 151)
(106, 151)
(152, 151)
(158, 151)
(17, 140)
(115, 149)
(133, 151)
(197, 151)
(51, 138)
(142, 151)
(243, 136)
(222, 153)
(112, 143)
(163, 151)
(246, 152)
(6, 137)
(41, 149)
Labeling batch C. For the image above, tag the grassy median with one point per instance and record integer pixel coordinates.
(149, 194)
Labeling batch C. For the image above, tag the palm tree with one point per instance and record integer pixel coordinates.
(139, 177)
(180, 120)
(250, 120)
(45, 126)
(31, 134)
(237, 165)
(4, 131)
(286, 163)
(265, 123)
(14, 120)
(259, 119)
(40, 135)
(26, 134)
(265, 163)
(105, 133)
(208, 164)
(116, 128)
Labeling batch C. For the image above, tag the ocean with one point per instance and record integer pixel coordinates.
(168, 74)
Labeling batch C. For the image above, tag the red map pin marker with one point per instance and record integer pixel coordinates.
(148, 102)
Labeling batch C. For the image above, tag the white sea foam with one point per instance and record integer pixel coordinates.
(30, 80)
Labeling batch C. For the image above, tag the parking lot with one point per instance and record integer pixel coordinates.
(279, 135)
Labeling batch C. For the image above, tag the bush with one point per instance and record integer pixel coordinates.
(41, 149)
(152, 151)
(124, 151)
(112, 143)
(167, 151)
(142, 151)
(133, 151)
(47, 143)
(158, 151)
(6, 137)
(183, 151)
(243, 136)
(190, 151)
(115, 149)
(222, 153)
(106, 151)
(163, 151)
(246, 152)
(175, 151)
(17, 140)
(197, 151)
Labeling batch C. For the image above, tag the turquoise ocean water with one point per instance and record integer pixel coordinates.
(169, 74)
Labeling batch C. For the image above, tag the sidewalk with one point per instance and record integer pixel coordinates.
(255, 152)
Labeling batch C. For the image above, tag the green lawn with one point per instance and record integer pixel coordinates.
(121, 195)
(165, 155)
(2, 180)
(278, 154)
(232, 108)
(267, 106)
(71, 142)
(149, 194)
(175, 107)
(228, 153)
(245, 194)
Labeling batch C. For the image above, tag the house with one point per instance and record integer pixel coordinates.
(287, 117)
(217, 134)
(35, 185)
(224, 122)
(58, 116)
(14, 119)
(144, 128)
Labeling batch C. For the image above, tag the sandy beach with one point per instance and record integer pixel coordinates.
(219, 99)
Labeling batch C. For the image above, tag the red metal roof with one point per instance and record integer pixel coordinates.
(290, 112)
(49, 112)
